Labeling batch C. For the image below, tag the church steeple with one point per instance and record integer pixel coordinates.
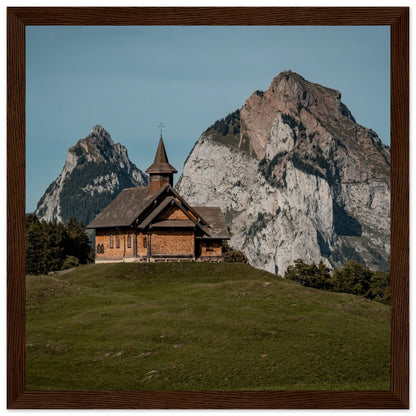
(161, 171)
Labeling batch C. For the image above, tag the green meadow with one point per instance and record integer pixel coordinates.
(199, 326)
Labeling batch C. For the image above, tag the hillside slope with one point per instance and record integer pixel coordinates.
(199, 326)
(297, 177)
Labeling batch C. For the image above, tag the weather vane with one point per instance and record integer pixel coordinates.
(161, 126)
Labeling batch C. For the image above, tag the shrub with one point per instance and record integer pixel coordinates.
(231, 255)
(352, 277)
(309, 275)
(235, 256)
(70, 262)
(380, 287)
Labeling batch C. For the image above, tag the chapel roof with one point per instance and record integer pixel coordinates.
(131, 203)
(125, 208)
(215, 218)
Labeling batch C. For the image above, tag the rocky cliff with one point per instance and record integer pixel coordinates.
(95, 172)
(296, 177)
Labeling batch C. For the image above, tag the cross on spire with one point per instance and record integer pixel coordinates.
(161, 126)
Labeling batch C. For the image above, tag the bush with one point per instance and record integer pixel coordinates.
(352, 277)
(232, 255)
(380, 287)
(235, 256)
(70, 262)
(310, 275)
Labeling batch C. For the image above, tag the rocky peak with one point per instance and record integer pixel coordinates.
(100, 131)
(292, 92)
(318, 124)
(96, 171)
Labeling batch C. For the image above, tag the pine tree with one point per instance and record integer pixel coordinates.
(78, 243)
(35, 246)
(50, 245)
(353, 278)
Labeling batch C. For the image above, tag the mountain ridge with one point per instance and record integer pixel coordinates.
(296, 177)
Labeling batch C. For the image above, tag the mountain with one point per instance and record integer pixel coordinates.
(296, 177)
(95, 172)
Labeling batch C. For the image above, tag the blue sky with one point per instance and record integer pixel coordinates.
(128, 79)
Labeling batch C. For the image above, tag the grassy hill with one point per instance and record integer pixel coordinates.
(199, 326)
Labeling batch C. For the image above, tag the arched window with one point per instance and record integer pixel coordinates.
(118, 240)
(111, 241)
(128, 240)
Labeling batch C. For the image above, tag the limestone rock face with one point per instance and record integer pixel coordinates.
(95, 172)
(296, 177)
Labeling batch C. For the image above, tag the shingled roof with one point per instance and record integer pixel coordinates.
(214, 217)
(132, 202)
(125, 208)
(161, 163)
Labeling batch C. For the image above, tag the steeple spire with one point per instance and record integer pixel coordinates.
(161, 156)
(161, 171)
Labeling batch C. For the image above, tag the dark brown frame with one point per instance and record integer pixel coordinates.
(395, 17)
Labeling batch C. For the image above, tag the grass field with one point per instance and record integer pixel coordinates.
(199, 326)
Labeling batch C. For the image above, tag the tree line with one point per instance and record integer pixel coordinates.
(52, 246)
(352, 277)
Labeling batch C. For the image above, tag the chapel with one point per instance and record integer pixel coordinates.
(154, 223)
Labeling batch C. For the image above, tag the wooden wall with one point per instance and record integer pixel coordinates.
(163, 242)
(175, 242)
(210, 248)
(102, 236)
(141, 244)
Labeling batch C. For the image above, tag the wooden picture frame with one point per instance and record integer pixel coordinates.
(398, 20)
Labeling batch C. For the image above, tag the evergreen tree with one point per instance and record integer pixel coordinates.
(380, 287)
(309, 275)
(55, 236)
(35, 246)
(78, 243)
(353, 278)
(52, 246)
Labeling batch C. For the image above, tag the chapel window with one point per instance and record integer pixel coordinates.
(111, 241)
(128, 240)
(118, 241)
